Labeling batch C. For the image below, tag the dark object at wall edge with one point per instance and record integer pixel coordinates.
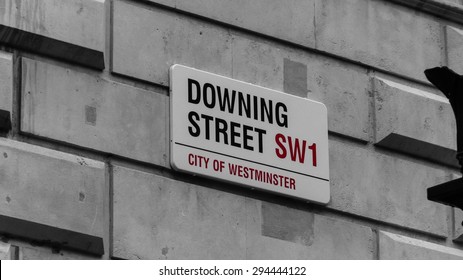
(5, 121)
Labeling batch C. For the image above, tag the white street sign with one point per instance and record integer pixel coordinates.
(237, 132)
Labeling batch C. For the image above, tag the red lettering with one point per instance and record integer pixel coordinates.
(292, 183)
(262, 176)
(197, 160)
(280, 139)
(191, 159)
(313, 148)
(232, 169)
(286, 182)
(297, 150)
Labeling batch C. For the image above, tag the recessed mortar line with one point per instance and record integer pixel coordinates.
(109, 24)
(17, 88)
(451, 224)
(105, 75)
(376, 247)
(110, 174)
(139, 83)
(315, 25)
(372, 105)
(446, 46)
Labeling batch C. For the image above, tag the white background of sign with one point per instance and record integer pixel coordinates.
(307, 120)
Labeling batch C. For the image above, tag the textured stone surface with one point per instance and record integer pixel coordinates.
(71, 30)
(458, 234)
(78, 22)
(386, 188)
(52, 188)
(46, 253)
(342, 87)
(147, 42)
(5, 251)
(378, 33)
(290, 20)
(277, 224)
(398, 247)
(159, 218)
(70, 107)
(6, 81)
(414, 121)
(88, 111)
(448, 2)
(451, 1)
(454, 49)
(262, 62)
(323, 238)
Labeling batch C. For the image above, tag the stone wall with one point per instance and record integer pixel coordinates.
(86, 83)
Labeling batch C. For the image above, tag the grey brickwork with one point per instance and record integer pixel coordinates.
(89, 148)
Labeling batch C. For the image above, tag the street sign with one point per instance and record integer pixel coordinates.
(242, 133)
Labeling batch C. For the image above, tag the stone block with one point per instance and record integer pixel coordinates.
(71, 30)
(458, 220)
(414, 121)
(290, 20)
(279, 232)
(342, 87)
(88, 111)
(160, 218)
(397, 247)
(386, 188)
(287, 224)
(378, 33)
(451, 1)
(262, 62)
(45, 253)
(148, 41)
(454, 46)
(345, 89)
(6, 81)
(52, 188)
(5, 251)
